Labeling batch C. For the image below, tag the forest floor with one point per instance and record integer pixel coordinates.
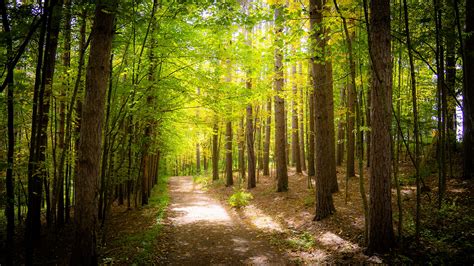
(190, 221)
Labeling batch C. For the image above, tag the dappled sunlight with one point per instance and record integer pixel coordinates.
(200, 211)
(261, 220)
(334, 241)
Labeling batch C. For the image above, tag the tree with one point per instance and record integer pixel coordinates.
(468, 93)
(381, 237)
(322, 108)
(295, 142)
(266, 143)
(97, 76)
(280, 124)
(228, 155)
(9, 180)
(215, 152)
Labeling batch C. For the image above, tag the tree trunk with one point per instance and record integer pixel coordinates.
(311, 170)
(381, 237)
(295, 142)
(341, 130)
(84, 251)
(351, 99)
(215, 152)
(9, 180)
(301, 121)
(251, 181)
(242, 149)
(228, 154)
(280, 122)
(322, 105)
(266, 144)
(468, 93)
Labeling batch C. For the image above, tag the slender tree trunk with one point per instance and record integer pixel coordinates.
(351, 99)
(280, 122)
(381, 237)
(242, 149)
(251, 181)
(266, 144)
(341, 130)
(301, 122)
(84, 251)
(9, 180)
(295, 142)
(311, 170)
(215, 152)
(228, 154)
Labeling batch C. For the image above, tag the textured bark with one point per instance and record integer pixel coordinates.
(468, 93)
(295, 141)
(266, 143)
(381, 237)
(322, 106)
(85, 215)
(228, 155)
(215, 152)
(251, 181)
(280, 122)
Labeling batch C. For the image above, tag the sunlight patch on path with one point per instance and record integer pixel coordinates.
(208, 212)
(334, 241)
(261, 220)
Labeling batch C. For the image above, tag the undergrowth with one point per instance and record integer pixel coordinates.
(240, 198)
(141, 243)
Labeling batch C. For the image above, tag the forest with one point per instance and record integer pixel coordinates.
(180, 132)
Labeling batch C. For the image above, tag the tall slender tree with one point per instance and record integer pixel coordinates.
(280, 122)
(97, 76)
(381, 236)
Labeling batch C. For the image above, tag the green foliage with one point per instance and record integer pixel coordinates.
(240, 198)
(301, 241)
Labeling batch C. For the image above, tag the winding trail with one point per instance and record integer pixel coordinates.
(200, 231)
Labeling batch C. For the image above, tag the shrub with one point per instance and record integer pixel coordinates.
(240, 198)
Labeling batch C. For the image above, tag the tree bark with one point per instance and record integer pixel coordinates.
(468, 93)
(280, 122)
(215, 152)
(322, 106)
(228, 155)
(381, 237)
(84, 251)
(251, 181)
(266, 144)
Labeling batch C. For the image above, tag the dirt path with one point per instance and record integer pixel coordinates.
(200, 231)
